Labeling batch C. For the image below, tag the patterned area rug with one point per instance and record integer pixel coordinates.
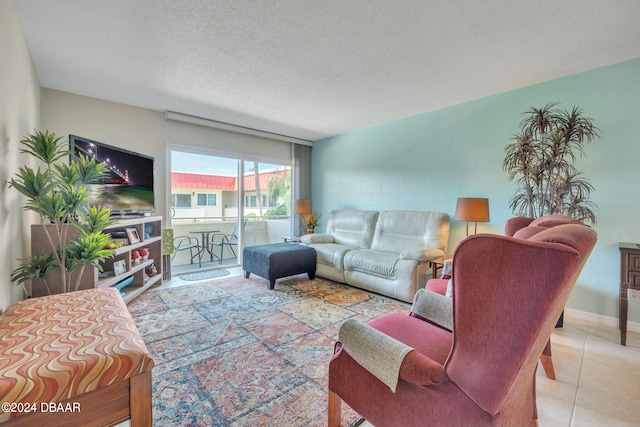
(231, 352)
(211, 274)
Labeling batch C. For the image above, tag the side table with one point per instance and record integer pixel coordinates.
(629, 279)
(438, 263)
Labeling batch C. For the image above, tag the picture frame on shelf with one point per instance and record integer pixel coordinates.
(132, 235)
(119, 267)
(121, 242)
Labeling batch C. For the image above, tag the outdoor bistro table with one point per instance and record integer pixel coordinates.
(205, 242)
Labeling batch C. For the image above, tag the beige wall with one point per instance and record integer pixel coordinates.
(147, 131)
(19, 114)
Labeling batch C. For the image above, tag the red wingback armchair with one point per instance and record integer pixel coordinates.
(523, 228)
(507, 296)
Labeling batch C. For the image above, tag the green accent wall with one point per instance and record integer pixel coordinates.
(426, 162)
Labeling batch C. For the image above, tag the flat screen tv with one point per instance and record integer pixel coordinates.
(128, 187)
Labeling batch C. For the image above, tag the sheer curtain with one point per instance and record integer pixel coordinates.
(301, 155)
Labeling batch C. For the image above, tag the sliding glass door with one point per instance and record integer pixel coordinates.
(214, 213)
(266, 200)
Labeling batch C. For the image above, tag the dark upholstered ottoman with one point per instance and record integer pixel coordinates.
(279, 260)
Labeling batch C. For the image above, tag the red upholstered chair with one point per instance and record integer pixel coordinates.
(513, 226)
(401, 370)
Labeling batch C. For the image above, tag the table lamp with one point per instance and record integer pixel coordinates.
(472, 209)
(302, 207)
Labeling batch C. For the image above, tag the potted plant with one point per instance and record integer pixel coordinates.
(144, 253)
(58, 193)
(310, 221)
(541, 161)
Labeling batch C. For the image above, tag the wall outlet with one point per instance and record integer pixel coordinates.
(634, 294)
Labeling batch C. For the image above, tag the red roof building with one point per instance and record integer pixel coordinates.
(195, 181)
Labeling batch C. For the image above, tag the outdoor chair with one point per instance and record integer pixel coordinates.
(221, 240)
(183, 243)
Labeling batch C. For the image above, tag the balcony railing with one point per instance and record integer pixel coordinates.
(257, 231)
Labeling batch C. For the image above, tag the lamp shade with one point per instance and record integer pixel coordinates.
(472, 209)
(302, 207)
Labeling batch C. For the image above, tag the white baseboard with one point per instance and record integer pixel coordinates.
(600, 318)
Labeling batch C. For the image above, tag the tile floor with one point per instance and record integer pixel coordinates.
(598, 380)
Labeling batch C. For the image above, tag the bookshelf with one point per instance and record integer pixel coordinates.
(138, 274)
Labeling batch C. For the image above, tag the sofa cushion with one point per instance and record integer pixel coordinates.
(397, 231)
(352, 227)
(332, 253)
(379, 263)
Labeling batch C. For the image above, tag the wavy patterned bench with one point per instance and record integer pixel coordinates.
(80, 351)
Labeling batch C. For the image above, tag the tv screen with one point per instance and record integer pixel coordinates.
(128, 186)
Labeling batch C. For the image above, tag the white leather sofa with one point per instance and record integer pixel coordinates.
(386, 252)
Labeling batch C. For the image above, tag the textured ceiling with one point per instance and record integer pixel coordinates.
(316, 68)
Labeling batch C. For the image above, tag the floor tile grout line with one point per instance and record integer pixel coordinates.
(577, 391)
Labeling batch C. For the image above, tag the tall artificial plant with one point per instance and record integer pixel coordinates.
(57, 191)
(541, 161)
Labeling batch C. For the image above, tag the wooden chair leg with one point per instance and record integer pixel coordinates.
(547, 364)
(334, 409)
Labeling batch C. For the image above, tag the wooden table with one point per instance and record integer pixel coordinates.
(629, 279)
(438, 263)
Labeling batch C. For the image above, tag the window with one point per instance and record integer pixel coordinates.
(250, 201)
(180, 201)
(207, 199)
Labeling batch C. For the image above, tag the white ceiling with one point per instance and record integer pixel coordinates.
(316, 68)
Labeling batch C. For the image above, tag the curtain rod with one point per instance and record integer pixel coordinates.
(170, 115)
